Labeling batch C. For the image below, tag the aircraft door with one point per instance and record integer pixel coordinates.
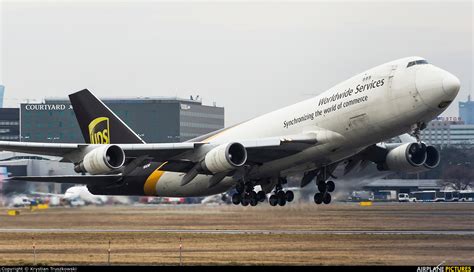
(358, 121)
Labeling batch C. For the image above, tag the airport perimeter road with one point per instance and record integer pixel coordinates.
(344, 233)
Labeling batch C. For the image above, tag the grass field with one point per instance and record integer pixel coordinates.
(248, 249)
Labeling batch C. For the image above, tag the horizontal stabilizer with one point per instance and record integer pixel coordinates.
(77, 179)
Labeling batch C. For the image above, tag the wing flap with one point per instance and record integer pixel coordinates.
(268, 149)
(159, 152)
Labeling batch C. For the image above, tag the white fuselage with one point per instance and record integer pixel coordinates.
(370, 107)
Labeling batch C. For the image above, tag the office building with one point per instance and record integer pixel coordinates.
(466, 111)
(445, 132)
(9, 124)
(155, 120)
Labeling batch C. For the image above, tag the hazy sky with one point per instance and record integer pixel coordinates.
(250, 58)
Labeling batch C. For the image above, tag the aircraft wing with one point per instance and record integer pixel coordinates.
(77, 179)
(374, 154)
(50, 149)
(258, 150)
(178, 154)
(162, 151)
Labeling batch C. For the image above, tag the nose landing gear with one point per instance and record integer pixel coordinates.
(416, 131)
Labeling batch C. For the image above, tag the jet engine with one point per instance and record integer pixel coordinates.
(224, 158)
(411, 157)
(101, 160)
(432, 157)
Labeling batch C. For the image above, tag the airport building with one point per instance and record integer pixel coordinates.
(19, 164)
(9, 121)
(452, 131)
(9, 124)
(160, 119)
(445, 132)
(466, 111)
(2, 93)
(155, 120)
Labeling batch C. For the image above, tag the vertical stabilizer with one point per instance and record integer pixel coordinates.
(99, 125)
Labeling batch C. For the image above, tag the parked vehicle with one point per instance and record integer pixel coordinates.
(403, 197)
(466, 196)
(427, 196)
(451, 196)
(21, 201)
(361, 196)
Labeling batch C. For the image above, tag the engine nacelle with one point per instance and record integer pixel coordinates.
(407, 157)
(102, 160)
(432, 157)
(224, 158)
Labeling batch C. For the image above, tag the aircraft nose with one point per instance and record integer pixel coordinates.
(451, 85)
(437, 87)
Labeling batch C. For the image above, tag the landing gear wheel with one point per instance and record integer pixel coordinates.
(245, 201)
(289, 196)
(281, 195)
(253, 195)
(281, 201)
(326, 198)
(330, 186)
(253, 198)
(261, 196)
(273, 200)
(322, 186)
(236, 198)
(318, 198)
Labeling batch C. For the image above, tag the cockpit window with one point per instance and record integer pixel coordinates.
(416, 62)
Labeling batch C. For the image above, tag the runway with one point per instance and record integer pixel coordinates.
(240, 231)
(301, 234)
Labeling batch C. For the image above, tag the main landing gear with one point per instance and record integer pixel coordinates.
(247, 196)
(324, 188)
(324, 196)
(280, 197)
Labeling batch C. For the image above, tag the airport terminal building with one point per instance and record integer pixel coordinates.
(160, 119)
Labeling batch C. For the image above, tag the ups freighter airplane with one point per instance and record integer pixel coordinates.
(342, 125)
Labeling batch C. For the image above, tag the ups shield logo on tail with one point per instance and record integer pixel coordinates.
(99, 131)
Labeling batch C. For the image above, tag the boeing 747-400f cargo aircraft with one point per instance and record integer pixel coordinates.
(342, 125)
